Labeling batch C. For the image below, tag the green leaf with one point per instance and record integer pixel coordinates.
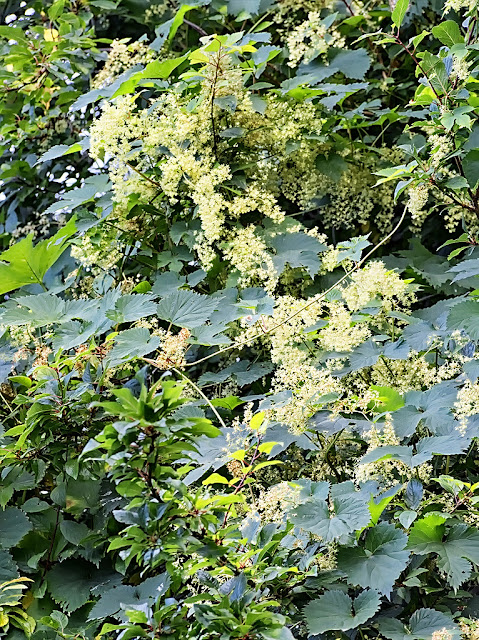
(297, 250)
(470, 164)
(465, 269)
(69, 583)
(399, 12)
(333, 165)
(56, 9)
(353, 64)
(132, 343)
(156, 69)
(233, 132)
(123, 595)
(13, 33)
(422, 624)
(25, 264)
(380, 562)
(448, 33)
(250, 7)
(335, 610)
(465, 317)
(58, 151)
(73, 531)
(455, 552)
(187, 308)
(131, 307)
(350, 513)
(14, 525)
(8, 568)
(389, 399)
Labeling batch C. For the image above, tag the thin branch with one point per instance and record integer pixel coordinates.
(307, 305)
(195, 387)
(196, 27)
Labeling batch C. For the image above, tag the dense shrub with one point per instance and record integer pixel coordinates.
(239, 319)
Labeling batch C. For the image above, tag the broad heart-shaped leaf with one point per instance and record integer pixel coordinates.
(69, 583)
(465, 317)
(455, 553)
(14, 525)
(350, 513)
(25, 264)
(335, 610)
(187, 308)
(380, 562)
(297, 250)
(422, 624)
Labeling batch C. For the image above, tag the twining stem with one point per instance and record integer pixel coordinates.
(315, 299)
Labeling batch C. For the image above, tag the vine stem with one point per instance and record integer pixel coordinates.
(266, 332)
(418, 64)
(195, 387)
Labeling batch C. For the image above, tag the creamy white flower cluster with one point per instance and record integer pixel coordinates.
(123, 55)
(195, 165)
(312, 38)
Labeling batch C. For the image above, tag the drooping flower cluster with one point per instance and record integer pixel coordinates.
(123, 55)
(195, 164)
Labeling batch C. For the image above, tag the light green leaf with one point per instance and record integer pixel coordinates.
(399, 12)
(23, 263)
(58, 151)
(448, 33)
(455, 552)
(388, 399)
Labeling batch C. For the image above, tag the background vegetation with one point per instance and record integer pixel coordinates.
(239, 319)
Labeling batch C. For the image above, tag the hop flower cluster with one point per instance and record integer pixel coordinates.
(467, 403)
(311, 39)
(123, 55)
(388, 471)
(375, 282)
(274, 503)
(352, 198)
(171, 352)
(417, 199)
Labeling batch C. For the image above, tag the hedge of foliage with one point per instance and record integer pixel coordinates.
(239, 322)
